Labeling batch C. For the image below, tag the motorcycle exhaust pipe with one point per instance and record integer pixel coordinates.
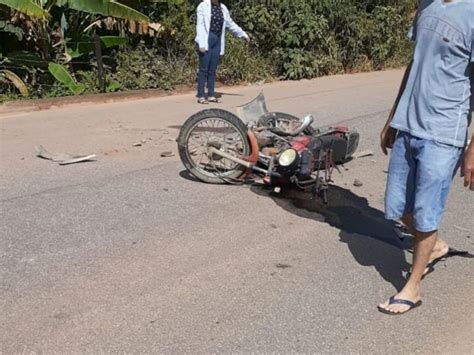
(212, 150)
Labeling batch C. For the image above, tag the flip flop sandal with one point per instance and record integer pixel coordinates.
(202, 101)
(431, 265)
(393, 300)
(402, 231)
(213, 100)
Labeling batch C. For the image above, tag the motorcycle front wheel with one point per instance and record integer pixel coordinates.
(219, 129)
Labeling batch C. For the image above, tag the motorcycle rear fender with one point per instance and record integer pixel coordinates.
(254, 149)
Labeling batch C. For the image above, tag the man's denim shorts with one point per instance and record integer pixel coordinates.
(419, 177)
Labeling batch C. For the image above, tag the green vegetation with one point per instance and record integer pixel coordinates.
(49, 48)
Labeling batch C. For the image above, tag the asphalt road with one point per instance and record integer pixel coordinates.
(130, 254)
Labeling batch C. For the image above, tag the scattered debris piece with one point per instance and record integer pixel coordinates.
(363, 154)
(259, 83)
(282, 266)
(274, 226)
(358, 183)
(461, 229)
(277, 190)
(373, 161)
(138, 144)
(386, 171)
(165, 189)
(62, 158)
(172, 139)
(166, 154)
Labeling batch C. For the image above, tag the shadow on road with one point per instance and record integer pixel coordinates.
(368, 235)
(220, 94)
(188, 176)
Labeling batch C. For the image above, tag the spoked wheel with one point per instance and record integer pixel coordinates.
(221, 130)
(283, 122)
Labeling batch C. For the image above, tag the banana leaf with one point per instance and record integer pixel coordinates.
(26, 58)
(111, 41)
(105, 7)
(27, 7)
(87, 45)
(15, 79)
(62, 75)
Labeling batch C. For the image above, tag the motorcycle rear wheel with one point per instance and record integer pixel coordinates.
(282, 121)
(217, 128)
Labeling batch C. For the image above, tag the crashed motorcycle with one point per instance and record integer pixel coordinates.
(277, 148)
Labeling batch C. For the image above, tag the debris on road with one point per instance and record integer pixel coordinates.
(258, 83)
(358, 183)
(283, 266)
(143, 141)
(166, 154)
(363, 154)
(63, 158)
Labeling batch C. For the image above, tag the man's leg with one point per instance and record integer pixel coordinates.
(435, 165)
(423, 247)
(440, 249)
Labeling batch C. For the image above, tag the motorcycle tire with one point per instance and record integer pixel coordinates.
(274, 118)
(210, 176)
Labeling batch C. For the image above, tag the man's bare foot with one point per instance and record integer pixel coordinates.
(440, 249)
(391, 306)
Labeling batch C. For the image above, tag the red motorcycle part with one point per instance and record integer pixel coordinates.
(253, 157)
(343, 129)
(300, 143)
(270, 151)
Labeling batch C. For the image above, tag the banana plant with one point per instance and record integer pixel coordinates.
(40, 8)
(39, 11)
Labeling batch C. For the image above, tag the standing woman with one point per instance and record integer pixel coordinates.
(212, 20)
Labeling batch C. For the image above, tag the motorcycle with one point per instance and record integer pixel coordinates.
(280, 149)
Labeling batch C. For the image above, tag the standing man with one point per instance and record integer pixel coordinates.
(428, 133)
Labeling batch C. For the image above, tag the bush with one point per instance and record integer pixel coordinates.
(146, 68)
(241, 64)
(294, 37)
(313, 38)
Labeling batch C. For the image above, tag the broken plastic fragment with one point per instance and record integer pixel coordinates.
(62, 158)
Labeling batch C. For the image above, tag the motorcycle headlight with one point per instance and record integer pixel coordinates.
(288, 158)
